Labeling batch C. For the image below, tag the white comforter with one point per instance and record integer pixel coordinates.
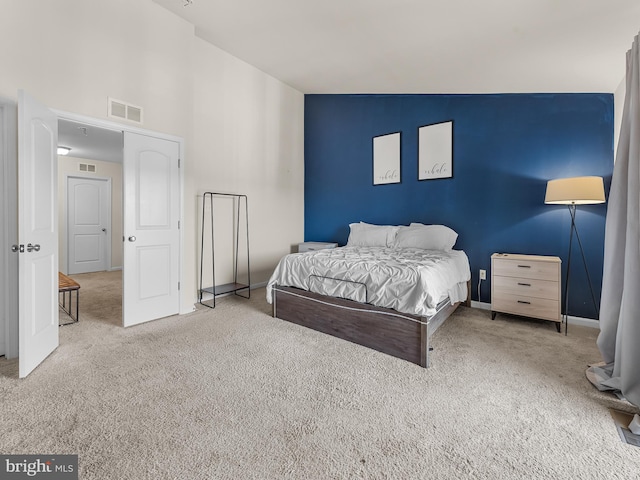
(408, 280)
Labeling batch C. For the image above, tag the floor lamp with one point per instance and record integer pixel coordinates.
(571, 192)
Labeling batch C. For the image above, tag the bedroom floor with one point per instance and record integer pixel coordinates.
(235, 393)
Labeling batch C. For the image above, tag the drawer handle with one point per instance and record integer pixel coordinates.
(522, 301)
(524, 284)
(524, 266)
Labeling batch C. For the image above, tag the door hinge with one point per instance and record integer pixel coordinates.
(178, 163)
(178, 285)
(178, 224)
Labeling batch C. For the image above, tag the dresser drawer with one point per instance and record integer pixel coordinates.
(524, 268)
(526, 287)
(526, 306)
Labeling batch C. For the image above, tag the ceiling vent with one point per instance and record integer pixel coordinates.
(125, 111)
(87, 167)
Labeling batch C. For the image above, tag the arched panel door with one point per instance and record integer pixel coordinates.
(37, 249)
(151, 228)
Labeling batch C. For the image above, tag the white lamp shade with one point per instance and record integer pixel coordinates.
(575, 191)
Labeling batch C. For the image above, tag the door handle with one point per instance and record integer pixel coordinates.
(35, 247)
(132, 238)
(104, 229)
(17, 248)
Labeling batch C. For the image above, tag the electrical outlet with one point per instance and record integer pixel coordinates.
(483, 274)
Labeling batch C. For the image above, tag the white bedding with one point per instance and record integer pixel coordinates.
(408, 280)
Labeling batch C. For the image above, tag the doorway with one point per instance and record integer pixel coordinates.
(90, 208)
(157, 157)
(91, 152)
(146, 236)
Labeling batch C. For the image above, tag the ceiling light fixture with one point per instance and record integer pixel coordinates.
(63, 150)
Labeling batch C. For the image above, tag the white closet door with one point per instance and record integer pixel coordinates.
(37, 232)
(151, 231)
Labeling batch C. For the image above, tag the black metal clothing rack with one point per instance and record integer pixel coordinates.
(235, 286)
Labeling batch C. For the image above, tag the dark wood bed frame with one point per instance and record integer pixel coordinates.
(388, 331)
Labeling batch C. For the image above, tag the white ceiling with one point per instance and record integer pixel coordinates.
(90, 142)
(408, 46)
(424, 46)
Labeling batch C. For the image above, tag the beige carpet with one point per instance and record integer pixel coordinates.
(100, 297)
(232, 393)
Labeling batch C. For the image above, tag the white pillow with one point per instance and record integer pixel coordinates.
(428, 237)
(367, 235)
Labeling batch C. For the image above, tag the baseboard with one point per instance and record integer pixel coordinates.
(113, 269)
(480, 305)
(583, 322)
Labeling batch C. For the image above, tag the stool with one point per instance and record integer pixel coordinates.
(66, 286)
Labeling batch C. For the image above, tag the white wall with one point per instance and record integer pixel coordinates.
(68, 166)
(248, 139)
(73, 54)
(243, 129)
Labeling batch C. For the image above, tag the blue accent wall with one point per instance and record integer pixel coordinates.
(505, 148)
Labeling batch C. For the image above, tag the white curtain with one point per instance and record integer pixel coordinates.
(619, 339)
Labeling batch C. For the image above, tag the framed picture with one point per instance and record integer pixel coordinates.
(386, 159)
(435, 151)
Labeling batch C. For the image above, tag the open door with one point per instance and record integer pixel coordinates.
(37, 232)
(151, 228)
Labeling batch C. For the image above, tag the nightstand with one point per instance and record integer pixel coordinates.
(312, 246)
(527, 285)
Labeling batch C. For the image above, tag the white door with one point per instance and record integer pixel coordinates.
(37, 232)
(89, 224)
(151, 232)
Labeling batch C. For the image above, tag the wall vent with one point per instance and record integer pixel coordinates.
(125, 111)
(87, 167)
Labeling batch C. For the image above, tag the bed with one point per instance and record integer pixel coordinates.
(389, 288)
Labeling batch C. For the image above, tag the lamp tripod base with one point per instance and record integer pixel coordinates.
(574, 229)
